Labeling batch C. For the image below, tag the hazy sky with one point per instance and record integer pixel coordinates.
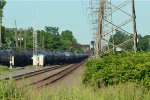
(66, 14)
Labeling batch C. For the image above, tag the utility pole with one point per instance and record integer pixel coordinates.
(134, 27)
(35, 45)
(25, 39)
(35, 48)
(104, 20)
(16, 36)
(99, 31)
(0, 26)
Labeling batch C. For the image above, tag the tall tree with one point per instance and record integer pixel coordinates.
(52, 38)
(120, 37)
(67, 39)
(2, 4)
(144, 43)
(52, 30)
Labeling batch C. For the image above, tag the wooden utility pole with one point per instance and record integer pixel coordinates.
(134, 27)
(99, 31)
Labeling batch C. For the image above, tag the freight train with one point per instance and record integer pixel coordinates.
(24, 58)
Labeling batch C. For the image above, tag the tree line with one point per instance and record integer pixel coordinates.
(49, 38)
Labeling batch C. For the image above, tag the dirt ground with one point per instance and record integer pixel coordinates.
(71, 80)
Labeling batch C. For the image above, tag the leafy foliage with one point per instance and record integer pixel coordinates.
(113, 69)
(47, 39)
(2, 4)
(67, 39)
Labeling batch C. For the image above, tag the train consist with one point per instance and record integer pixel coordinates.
(24, 58)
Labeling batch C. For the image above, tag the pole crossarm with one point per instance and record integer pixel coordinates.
(119, 44)
(119, 7)
(120, 25)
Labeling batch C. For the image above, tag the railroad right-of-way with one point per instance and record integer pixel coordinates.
(44, 77)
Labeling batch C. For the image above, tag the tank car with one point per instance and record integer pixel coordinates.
(45, 58)
(17, 58)
(57, 56)
(62, 57)
(49, 58)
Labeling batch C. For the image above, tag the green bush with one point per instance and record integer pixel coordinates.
(120, 68)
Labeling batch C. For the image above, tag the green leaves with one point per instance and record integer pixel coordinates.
(47, 39)
(121, 68)
(67, 39)
(2, 4)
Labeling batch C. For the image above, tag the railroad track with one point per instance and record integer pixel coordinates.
(44, 77)
(31, 74)
(55, 77)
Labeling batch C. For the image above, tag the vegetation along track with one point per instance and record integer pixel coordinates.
(55, 77)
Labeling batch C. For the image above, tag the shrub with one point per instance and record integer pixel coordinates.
(120, 68)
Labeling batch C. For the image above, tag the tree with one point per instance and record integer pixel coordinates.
(2, 4)
(52, 30)
(119, 37)
(67, 39)
(144, 43)
(29, 38)
(47, 39)
(52, 39)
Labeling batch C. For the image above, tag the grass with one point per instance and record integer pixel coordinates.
(10, 91)
(4, 69)
(126, 91)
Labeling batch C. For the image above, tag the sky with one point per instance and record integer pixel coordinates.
(65, 14)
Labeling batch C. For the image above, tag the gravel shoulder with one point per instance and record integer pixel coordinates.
(25, 70)
(74, 79)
